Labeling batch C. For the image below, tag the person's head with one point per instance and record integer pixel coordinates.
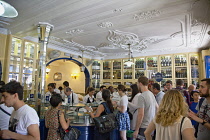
(191, 88)
(143, 81)
(51, 87)
(67, 91)
(60, 88)
(121, 90)
(205, 87)
(66, 84)
(54, 84)
(171, 108)
(90, 91)
(2, 83)
(155, 88)
(12, 92)
(102, 87)
(168, 84)
(195, 95)
(55, 100)
(111, 89)
(106, 97)
(134, 90)
(179, 83)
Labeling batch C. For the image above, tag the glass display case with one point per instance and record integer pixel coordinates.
(127, 70)
(194, 69)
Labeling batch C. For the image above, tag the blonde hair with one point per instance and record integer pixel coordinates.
(172, 107)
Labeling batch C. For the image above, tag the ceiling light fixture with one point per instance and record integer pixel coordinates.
(129, 62)
(6, 10)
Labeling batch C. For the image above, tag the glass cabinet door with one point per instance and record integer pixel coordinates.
(127, 70)
(165, 68)
(117, 69)
(152, 67)
(194, 70)
(106, 69)
(139, 67)
(15, 59)
(180, 66)
(96, 70)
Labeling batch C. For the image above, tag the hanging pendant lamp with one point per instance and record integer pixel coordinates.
(129, 62)
(6, 10)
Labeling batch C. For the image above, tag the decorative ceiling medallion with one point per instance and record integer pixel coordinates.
(105, 25)
(147, 15)
(122, 39)
(74, 32)
(117, 10)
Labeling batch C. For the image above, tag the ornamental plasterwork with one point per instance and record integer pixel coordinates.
(105, 25)
(196, 22)
(74, 32)
(147, 15)
(117, 10)
(122, 39)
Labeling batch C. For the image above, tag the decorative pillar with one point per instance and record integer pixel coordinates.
(44, 30)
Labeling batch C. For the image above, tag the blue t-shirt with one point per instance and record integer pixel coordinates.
(193, 108)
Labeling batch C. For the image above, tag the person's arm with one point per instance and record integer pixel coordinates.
(188, 134)
(76, 99)
(33, 134)
(85, 100)
(193, 116)
(63, 122)
(132, 106)
(149, 130)
(122, 109)
(100, 109)
(140, 117)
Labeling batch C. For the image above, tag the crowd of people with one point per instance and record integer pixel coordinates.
(171, 114)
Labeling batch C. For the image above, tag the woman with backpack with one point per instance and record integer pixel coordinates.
(104, 108)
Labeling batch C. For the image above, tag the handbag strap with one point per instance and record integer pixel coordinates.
(107, 110)
(5, 111)
(181, 128)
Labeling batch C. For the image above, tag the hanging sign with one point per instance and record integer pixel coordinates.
(158, 77)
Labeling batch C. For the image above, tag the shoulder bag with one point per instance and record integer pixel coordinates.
(69, 134)
(106, 123)
(181, 128)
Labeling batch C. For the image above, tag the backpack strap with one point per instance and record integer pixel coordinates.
(107, 110)
(5, 111)
(181, 128)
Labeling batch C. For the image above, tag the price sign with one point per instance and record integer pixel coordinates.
(158, 77)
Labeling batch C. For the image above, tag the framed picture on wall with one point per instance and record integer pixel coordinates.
(57, 76)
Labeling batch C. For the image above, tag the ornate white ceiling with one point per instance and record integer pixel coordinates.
(103, 28)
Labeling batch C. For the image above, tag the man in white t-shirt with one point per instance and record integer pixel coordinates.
(147, 107)
(99, 94)
(5, 112)
(24, 121)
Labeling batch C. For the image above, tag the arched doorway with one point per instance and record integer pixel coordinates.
(86, 72)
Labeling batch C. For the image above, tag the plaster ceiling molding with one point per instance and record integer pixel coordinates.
(106, 46)
(196, 22)
(117, 10)
(122, 39)
(75, 32)
(147, 15)
(177, 35)
(105, 25)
